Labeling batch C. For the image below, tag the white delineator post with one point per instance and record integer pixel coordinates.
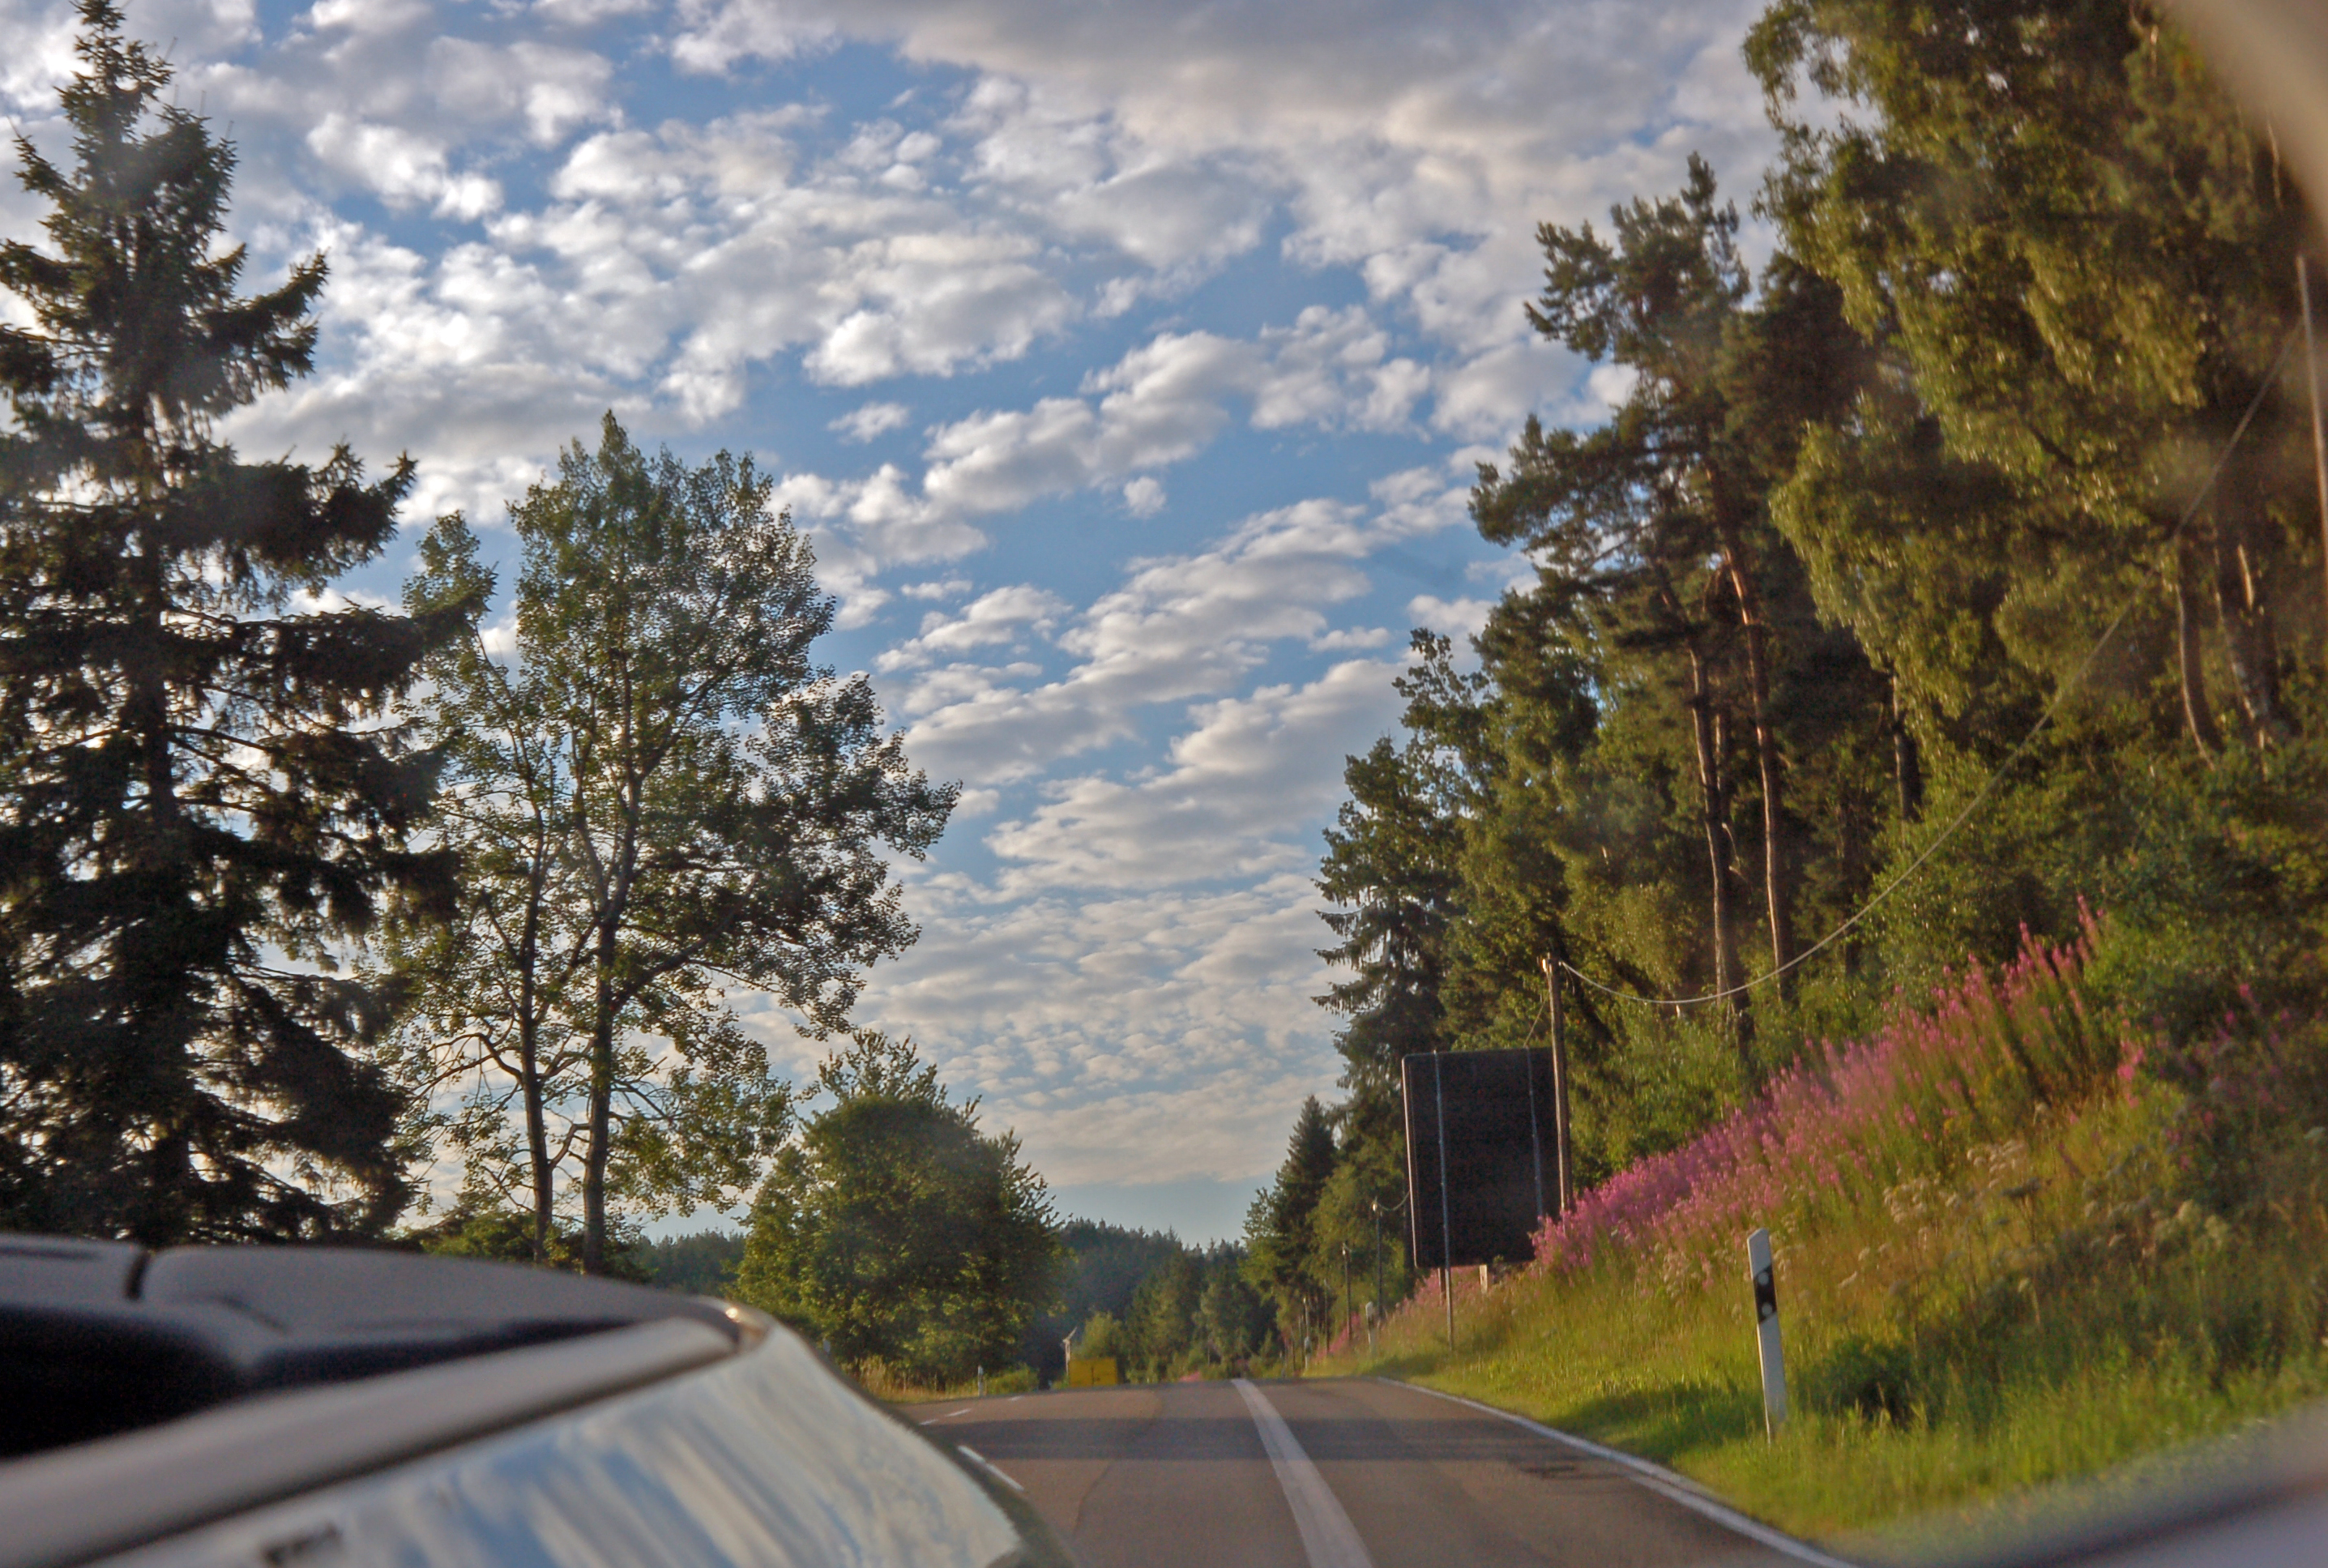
(1766, 1333)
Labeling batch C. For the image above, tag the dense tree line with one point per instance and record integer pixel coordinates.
(1160, 1308)
(2009, 435)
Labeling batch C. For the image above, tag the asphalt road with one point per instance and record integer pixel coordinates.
(1335, 1474)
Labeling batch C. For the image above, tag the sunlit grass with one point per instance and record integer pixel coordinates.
(2031, 1297)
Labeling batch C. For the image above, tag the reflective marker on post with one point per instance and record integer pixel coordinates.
(1766, 1332)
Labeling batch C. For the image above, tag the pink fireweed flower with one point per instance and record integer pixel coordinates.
(1993, 1045)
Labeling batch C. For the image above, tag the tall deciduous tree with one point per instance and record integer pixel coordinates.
(893, 1228)
(202, 803)
(661, 795)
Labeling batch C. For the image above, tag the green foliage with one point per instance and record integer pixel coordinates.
(662, 794)
(894, 1230)
(501, 1237)
(1280, 1236)
(702, 1264)
(1233, 1322)
(203, 803)
(1100, 1267)
(1101, 1337)
(1163, 1324)
(1190, 1312)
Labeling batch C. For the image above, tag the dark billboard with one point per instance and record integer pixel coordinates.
(1485, 1120)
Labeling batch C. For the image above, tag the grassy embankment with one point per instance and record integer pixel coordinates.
(2008, 1255)
(890, 1387)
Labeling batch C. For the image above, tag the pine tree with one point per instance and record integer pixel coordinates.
(202, 803)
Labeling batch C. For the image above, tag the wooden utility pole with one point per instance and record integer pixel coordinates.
(2319, 437)
(1564, 1196)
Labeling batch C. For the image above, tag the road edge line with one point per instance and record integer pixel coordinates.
(1678, 1488)
(1328, 1539)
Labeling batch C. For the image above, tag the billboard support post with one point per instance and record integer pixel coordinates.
(1446, 1218)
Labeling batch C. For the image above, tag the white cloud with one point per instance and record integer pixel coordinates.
(1007, 616)
(1332, 369)
(403, 168)
(938, 588)
(932, 302)
(871, 419)
(1179, 628)
(1456, 618)
(1392, 123)
(1236, 802)
(1141, 1037)
(552, 91)
(1612, 384)
(1165, 402)
(1144, 496)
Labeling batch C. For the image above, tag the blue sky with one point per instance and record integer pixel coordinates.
(1128, 364)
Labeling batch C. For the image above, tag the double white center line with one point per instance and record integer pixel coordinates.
(1327, 1536)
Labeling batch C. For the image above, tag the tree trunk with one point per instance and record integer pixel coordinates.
(1766, 746)
(614, 880)
(1907, 762)
(529, 1047)
(1713, 815)
(2198, 711)
(2248, 645)
(601, 1107)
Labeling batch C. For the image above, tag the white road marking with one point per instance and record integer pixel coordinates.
(1327, 1536)
(1659, 1479)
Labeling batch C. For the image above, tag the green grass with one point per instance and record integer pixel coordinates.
(2052, 1307)
(876, 1378)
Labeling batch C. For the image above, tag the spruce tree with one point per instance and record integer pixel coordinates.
(1278, 1228)
(202, 803)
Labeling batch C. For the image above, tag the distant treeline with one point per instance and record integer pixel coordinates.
(1962, 559)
